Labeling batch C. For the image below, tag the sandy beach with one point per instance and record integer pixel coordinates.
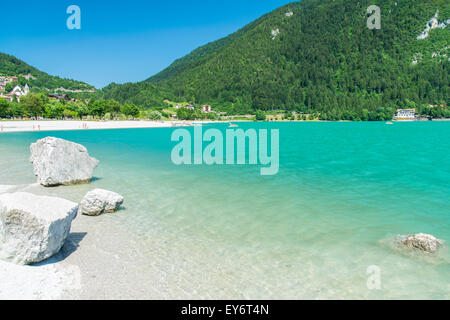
(60, 125)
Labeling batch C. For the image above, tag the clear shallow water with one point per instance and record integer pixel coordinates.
(309, 232)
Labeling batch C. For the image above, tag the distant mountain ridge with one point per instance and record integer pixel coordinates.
(12, 66)
(313, 55)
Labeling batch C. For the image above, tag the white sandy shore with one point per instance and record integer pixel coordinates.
(59, 125)
(47, 281)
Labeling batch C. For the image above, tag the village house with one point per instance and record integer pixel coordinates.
(66, 97)
(17, 92)
(189, 106)
(28, 76)
(5, 80)
(405, 114)
(55, 96)
(206, 108)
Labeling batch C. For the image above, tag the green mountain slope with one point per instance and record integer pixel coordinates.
(324, 59)
(11, 66)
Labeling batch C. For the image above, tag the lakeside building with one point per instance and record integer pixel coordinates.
(405, 114)
(206, 108)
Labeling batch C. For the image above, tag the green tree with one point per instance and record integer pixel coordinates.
(260, 116)
(111, 106)
(97, 108)
(16, 110)
(69, 114)
(154, 115)
(54, 110)
(130, 110)
(32, 103)
(4, 105)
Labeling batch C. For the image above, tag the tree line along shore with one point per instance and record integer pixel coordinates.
(38, 106)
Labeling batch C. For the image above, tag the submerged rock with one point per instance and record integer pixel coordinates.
(33, 228)
(60, 162)
(100, 201)
(422, 242)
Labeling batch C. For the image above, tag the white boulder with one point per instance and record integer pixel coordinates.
(60, 162)
(33, 228)
(100, 201)
(422, 242)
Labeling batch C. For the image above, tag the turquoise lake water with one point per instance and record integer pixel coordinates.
(310, 232)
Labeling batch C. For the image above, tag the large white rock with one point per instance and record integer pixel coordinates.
(60, 162)
(422, 242)
(33, 228)
(100, 201)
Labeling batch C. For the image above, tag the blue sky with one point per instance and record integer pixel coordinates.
(119, 41)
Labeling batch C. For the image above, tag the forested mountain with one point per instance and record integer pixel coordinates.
(144, 94)
(314, 56)
(11, 66)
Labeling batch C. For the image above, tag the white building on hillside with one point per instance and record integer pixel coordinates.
(17, 92)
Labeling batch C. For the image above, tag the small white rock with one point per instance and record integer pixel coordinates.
(100, 201)
(33, 228)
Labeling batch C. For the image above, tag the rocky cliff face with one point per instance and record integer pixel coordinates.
(433, 23)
